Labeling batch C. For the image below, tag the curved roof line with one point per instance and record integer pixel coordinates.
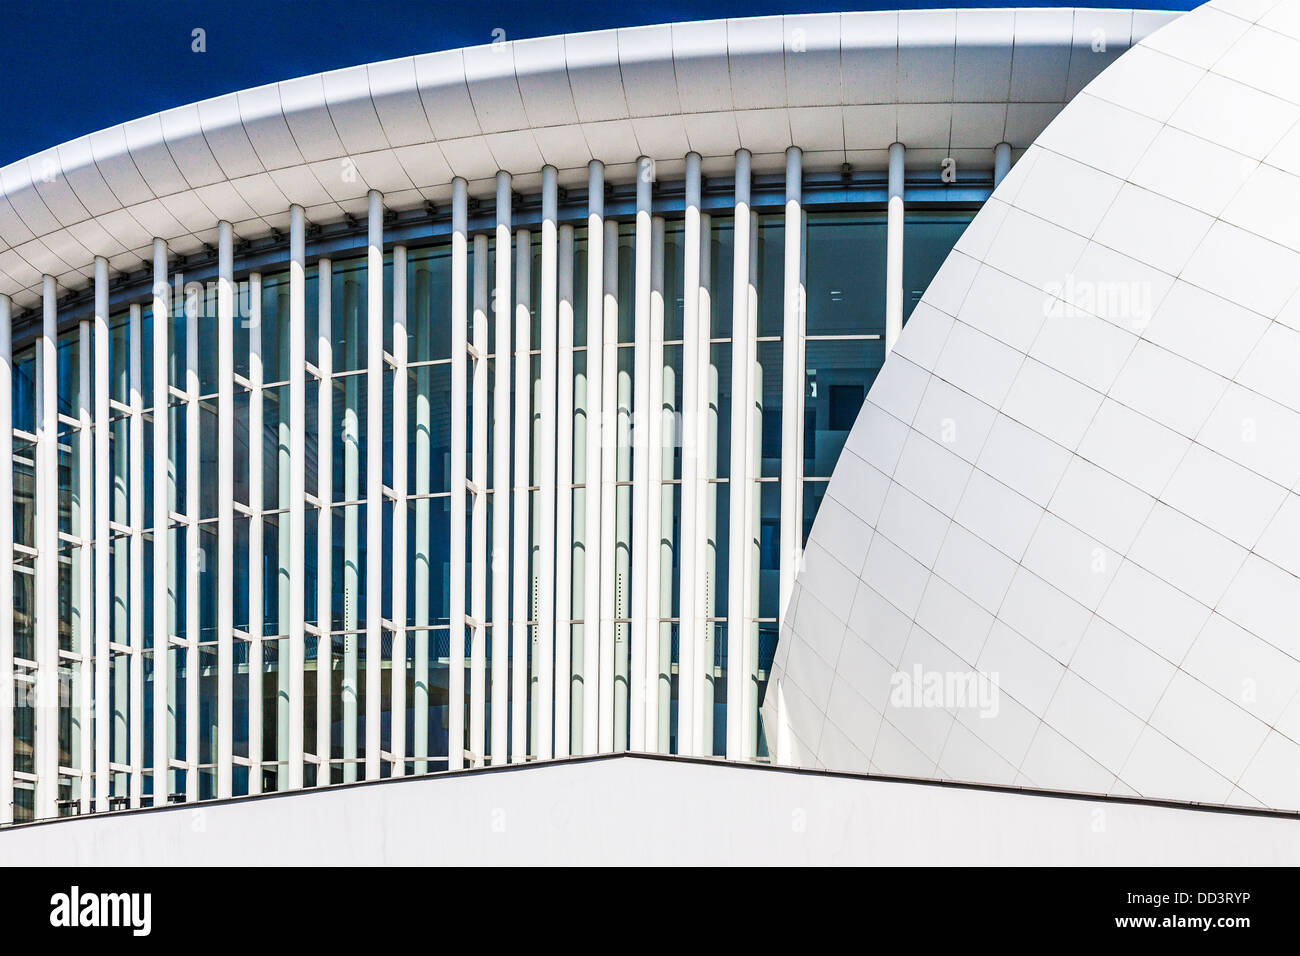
(841, 86)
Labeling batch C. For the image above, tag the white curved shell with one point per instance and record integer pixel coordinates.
(1078, 471)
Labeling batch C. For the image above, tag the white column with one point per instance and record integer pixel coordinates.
(374, 478)
(706, 506)
(523, 424)
(688, 628)
(285, 701)
(297, 492)
(164, 492)
(456, 576)
(422, 318)
(225, 503)
(563, 557)
(103, 488)
(194, 554)
(325, 519)
(136, 553)
(86, 562)
(791, 377)
(641, 490)
(611, 452)
(6, 563)
(742, 360)
(47, 575)
(750, 554)
(478, 518)
(894, 250)
(653, 449)
(256, 544)
(501, 310)
(591, 626)
(1001, 163)
(397, 584)
(546, 453)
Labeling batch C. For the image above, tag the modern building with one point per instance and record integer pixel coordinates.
(506, 404)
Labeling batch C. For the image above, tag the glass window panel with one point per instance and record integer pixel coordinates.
(846, 273)
(275, 438)
(813, 492)
(721, 253)
(771, 274)
(24, 390)
(928, 237)
(119, 347)
(767, 387)
(241, 403)
(348, 314)
(838, 376)
(674, 263)
(349, 421)
(428, 299)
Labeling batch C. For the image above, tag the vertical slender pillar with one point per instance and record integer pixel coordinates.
(1001, 163)
(652, 449)
(86, 560)
(501, 310)
(374, 478)
(297, 493)
(256, 545)
(546, 485)
(6, 563)
(459, 426)
(353, 317)
(520, 604)
(641, 491)
(610, 598)
(706, 553)
(753, 468)
(563, 556)
(595, 439)
(136, 554)
(103, 490)
(791, 377)
(47, 573)
(397, 584)
(285, 701)
(421, 563)
(225, 504)
(894, 250)
(325, 520)
(478, 518)
(195, 554)
(164, 500)
(742, 361)
(688, 629)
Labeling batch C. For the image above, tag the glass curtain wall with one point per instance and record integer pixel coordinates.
(844, 349)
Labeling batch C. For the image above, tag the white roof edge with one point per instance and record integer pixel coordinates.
(842, 86)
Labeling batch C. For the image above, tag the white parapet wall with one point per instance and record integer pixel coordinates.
(633, 809)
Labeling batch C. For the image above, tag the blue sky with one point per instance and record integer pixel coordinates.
(74, 67)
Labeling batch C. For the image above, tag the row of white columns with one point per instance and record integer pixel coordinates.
(548, 564)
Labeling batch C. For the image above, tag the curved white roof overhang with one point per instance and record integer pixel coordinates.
(843, 87)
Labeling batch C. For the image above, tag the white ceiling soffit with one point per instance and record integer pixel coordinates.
(841, 86)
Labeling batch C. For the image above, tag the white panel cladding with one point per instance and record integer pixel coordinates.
(1108, 574)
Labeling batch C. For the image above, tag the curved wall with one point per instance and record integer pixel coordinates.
(1076, 477)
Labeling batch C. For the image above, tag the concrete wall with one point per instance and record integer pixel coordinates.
(640, 810)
